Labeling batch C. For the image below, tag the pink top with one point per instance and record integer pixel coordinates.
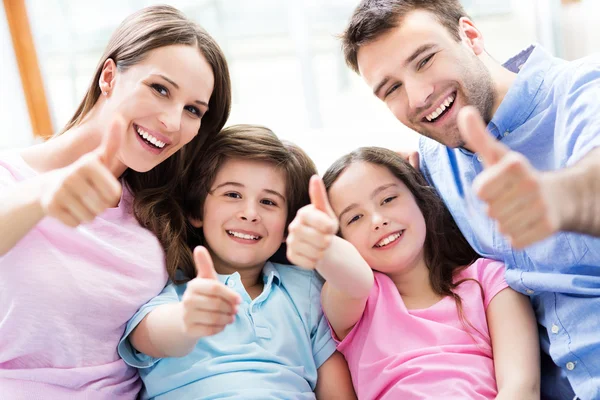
(65, 297)
(394, 353)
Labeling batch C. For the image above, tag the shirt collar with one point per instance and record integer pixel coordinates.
(531, 66)
(270, 273)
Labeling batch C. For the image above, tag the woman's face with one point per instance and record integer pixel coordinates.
(161, 100)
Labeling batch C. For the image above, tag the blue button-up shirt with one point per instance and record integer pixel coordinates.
(551, 114)
(271, 351)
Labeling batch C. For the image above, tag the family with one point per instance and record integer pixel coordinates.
(142, 248)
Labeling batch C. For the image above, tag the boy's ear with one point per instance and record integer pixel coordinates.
(196, 223)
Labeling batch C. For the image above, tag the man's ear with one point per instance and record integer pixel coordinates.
(196, 223)
(471, 36)
(108, 76)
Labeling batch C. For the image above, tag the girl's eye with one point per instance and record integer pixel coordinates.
(354, 219)
(268, 202)
(233, 195)
(425, 61)
(194, 110)
(388, 199)
(160, 89)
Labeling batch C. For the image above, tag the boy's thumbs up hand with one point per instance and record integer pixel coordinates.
(310, 234)
(208, 305)
(518, 196)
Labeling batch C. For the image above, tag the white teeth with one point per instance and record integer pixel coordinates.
(243, 235)
(150, 138)
(445, 104)
(392, 238)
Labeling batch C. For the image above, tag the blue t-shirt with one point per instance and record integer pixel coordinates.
(551, 114)
(272, 350)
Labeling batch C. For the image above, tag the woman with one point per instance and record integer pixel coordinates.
(76, 259)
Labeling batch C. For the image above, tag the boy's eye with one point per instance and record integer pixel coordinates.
(233, 195)
(268, 202)
(388, 199)
(160, 89)
(354, 219)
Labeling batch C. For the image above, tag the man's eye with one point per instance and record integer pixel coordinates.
(424, 62)
(392, 89)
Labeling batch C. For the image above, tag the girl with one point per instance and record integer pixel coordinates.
(76, 260)
(416, 314)
(241, 326)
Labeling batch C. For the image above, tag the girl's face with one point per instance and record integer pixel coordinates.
(162, 100)
(245, 214)
(379, 216)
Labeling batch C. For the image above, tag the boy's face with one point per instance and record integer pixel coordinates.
(379, 216)
(245, 214)
(425, 76)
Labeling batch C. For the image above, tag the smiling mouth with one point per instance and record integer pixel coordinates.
(148, 138)
(240, 235)
(441, 110)
(389, 239)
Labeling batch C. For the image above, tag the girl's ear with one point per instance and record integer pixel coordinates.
(196, 223)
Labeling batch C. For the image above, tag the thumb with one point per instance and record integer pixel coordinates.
(111, 142)
(318, 195)
(204, 264)
(477, 138)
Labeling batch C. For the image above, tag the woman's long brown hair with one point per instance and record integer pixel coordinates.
(157, 193)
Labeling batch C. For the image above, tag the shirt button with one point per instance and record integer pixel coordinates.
(231, 283)
(479, 159)
(554, 329)
(505, 134)
(570, 366)
(529, 291)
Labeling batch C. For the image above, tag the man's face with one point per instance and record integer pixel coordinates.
(425, 76)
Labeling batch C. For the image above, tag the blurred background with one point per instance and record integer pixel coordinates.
(287, 68)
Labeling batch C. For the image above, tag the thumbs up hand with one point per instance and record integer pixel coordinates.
(310, 234)
(208, 305)
(520, 198)
(79, 192)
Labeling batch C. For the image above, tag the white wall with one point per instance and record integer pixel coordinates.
(16, 128)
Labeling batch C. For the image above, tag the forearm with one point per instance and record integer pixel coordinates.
(161, 333)
(345, 270)
(20, 212)
(579, 189)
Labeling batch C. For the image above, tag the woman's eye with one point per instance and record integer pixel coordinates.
(194, 110)
(425, 61)
(388, 199)
(233, 195)
(354, 219)
(268, 202)
(160, 89)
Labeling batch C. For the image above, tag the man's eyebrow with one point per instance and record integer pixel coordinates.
(420, 50)
(200, 102)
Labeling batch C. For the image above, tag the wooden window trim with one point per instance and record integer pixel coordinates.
(31, 77)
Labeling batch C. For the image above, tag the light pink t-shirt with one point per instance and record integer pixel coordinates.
(394, 353)
(65, 297)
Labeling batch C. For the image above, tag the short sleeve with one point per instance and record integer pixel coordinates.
(491, 277)
(578, 123)
(127, 352)
(322, 342)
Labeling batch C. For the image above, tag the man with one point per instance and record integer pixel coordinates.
(536, 172)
